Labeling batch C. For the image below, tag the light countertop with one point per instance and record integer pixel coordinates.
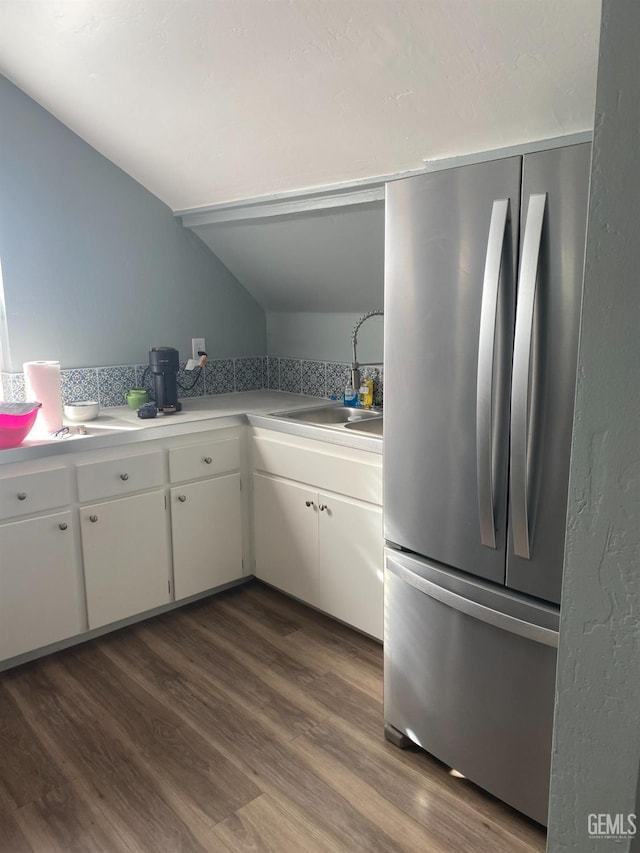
(121, 425)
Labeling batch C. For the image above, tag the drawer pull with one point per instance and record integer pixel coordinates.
(63, 525)
(322, 507)
(208, 460)
(309, 503)
(124, 476)
(93, 518)
(182, 498)
(22, 496)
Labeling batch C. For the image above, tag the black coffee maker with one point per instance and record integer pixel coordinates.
(164, 364)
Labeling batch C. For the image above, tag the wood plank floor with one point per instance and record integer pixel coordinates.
(245, 722)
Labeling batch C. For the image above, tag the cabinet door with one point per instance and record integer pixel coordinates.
(286, 536)
(38, 584)
(207, 534)
(126, 557)
(350, 569)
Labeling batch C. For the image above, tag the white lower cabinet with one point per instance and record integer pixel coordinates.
(286, 536)
(126, 557)
(322, 548)
(38, 584)
(350, 561)
(206, 524)
(176, 511)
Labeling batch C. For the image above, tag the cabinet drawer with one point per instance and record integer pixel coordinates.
(204, 460)
(359, 478)
(35, 492)
(114, 477)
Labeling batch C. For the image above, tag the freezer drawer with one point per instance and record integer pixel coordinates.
(469, 675)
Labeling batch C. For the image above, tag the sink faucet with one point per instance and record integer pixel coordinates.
(355, 366)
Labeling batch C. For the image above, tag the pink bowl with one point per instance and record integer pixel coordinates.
(16, 421)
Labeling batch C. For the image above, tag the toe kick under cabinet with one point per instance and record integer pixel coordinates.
(318, 526)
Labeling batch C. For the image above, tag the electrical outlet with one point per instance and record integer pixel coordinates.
(196, 345)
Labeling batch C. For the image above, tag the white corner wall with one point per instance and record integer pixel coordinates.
(596, 756)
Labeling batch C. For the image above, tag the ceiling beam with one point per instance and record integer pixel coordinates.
(351, 193)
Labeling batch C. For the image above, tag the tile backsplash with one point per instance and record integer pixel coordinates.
(108, 385)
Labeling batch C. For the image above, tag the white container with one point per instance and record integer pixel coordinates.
(82, 410)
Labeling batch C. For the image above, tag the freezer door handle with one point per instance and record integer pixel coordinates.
(520, 390)
(484, 387)
(503, 621)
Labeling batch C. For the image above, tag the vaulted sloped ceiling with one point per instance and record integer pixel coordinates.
(208, 101)
(310, 262)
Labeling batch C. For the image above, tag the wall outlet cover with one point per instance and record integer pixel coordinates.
(197, 344)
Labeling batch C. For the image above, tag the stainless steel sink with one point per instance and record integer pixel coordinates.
(331, 415)
(372, 426)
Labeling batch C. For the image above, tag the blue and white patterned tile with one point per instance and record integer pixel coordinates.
(220, 377)
(314, 378)
(144, 379)
(79, 383)
(338, 377)
(248, 373)
(13, 386)
(113, 384)
(291, 375)
(273, 373)
(191, 383)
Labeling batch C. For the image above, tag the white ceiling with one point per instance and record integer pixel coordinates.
(206, 101)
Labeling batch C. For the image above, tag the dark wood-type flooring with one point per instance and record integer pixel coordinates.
(246, 722)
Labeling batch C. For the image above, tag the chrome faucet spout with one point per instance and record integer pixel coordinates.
(355, 367)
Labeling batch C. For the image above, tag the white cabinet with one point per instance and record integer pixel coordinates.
(125, 547)
(126, 558)
(39, 573)
(321, 546)
(350, 560)
(38, 583)
(206, 515)
(206, 523)
(286, 536)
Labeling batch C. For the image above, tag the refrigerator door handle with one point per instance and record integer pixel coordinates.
(503, 621)
(520, 390)
(484, 388)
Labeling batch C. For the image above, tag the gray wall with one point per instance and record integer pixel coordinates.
(96, 269)
(323, 337)
(597, 731)
(311, 261)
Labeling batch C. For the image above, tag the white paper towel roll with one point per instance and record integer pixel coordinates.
(42, 383)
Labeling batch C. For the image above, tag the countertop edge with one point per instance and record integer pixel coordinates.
(198, 421)
(329, 435)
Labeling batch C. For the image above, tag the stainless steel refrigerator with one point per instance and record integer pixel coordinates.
(483, 284)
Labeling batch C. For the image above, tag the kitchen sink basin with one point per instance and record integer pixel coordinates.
(372, 426)
(331, 415)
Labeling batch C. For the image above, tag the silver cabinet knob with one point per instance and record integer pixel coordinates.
(22, 496)
(124, 476)
(93, 518)
(322, 507)
(182, 498)
(63, 525)
(309, 503)
(208, 460)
